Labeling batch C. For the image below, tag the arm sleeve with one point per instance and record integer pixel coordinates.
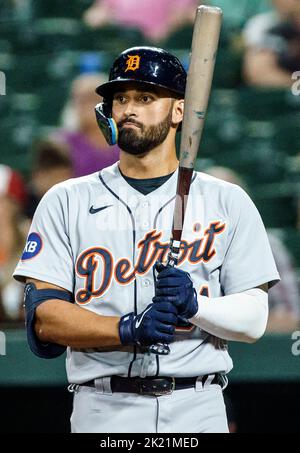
(47, 255)
(223, 317)
(248, 261)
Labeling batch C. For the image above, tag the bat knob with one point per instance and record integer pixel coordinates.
(159, 349)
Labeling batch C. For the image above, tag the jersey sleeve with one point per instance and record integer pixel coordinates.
(47, 255)
(248, 260)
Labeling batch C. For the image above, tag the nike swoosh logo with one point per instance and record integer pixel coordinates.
(94, 210)
(139, 321)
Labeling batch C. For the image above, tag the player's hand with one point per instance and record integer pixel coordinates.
(156, 324)
(175, 286)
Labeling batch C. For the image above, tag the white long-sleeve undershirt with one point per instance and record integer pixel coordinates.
(237, 317)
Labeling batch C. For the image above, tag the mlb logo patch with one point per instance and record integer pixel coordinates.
(33, 247)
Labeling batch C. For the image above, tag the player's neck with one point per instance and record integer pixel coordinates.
(158, 162)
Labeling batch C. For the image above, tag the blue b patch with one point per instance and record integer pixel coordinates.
(33, 246)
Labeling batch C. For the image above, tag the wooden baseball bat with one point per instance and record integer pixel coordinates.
(199, 80)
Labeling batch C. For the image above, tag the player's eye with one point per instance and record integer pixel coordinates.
(146, 99)
(120, 98)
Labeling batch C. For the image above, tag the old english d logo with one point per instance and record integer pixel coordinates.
(133, 63)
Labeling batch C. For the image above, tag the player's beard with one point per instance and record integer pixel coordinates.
(141, 142)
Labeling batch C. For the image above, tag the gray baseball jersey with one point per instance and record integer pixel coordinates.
(99, 238)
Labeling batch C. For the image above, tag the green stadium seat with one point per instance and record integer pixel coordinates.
(276, 203)
(19, 33)
(291, 238)
(18, 128)
(54, 8)
(31, 72)
(228, 68)
(56, 34)
(110, 38)
(179, 39)
(52, 100)
(287, 133)
(14, 145)
(267, 104)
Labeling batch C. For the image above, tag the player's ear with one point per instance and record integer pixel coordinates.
(177, 112)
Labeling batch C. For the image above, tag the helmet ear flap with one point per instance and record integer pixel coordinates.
(106, 123)
(107, 107)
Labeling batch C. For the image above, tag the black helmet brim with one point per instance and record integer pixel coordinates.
(107, 89)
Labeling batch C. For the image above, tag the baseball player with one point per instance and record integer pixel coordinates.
(96, 280)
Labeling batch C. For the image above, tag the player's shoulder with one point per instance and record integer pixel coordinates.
(206, 180)
(83, 183)
(73, 185)
(79, 182)
(217, 189)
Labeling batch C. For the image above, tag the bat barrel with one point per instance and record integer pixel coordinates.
(203, 56)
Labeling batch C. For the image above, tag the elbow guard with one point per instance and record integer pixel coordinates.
(33, 297)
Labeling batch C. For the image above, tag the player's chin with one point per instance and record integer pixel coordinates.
(128, 134)
(131, 141)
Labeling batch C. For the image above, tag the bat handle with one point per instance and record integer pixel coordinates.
(173, 255)
(159, 349)
(172, 260)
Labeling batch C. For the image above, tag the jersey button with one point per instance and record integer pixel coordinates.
(146, 283)
(145, 224)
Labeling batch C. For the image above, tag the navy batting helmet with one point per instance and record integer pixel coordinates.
(147, 65)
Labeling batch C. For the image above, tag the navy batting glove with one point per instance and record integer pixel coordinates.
(176, 286)
(156, 324)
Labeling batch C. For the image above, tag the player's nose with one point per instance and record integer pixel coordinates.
(130, 109)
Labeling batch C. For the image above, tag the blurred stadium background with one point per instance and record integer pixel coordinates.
(44, 45)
